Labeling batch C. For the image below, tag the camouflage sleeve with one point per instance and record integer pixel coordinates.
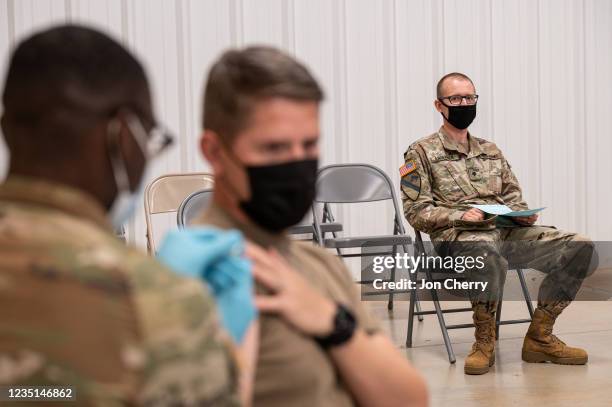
(419, 207)
(511, 190)
(189, 358)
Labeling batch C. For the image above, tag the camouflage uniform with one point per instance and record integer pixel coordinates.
(77, 307)
(441, 179)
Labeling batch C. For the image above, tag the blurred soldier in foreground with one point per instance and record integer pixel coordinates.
(318, 344)
(78, 307)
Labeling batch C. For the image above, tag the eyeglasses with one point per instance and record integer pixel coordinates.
(456, 100)
(153, 142)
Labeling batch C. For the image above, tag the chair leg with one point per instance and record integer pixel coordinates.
(526, 294)
(447, 342)
(148, 244)
(418, 306)
(390, 302)
(442, 322)
(416, 295)
(335, 237)
(498, 317)
(413, 303)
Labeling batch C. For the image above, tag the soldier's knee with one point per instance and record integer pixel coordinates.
(497, 265)
(577, 237)
(486, 254)
(586, 254)
(584, 244)
(489, 249)
(590, 253)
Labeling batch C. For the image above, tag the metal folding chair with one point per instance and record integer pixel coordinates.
(192, 207)
(196, 202)
(415, 311)
(358, 183)
(166, 193)
(306, 227)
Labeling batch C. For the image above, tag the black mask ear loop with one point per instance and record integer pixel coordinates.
(442, 111)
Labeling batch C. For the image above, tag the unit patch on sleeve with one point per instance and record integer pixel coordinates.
(411, 180)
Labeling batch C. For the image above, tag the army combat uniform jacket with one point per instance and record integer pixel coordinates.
(79, 308)
(440, 179)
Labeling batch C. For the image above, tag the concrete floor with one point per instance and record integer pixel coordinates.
(511, 382)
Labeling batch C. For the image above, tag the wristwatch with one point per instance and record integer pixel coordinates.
(344, 328)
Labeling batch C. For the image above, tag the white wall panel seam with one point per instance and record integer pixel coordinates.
(124, 22)
(582, 210)
(538, 93)
(489, 134)
(68, 9)
(182, 84)
(529, 48)
(10, 16)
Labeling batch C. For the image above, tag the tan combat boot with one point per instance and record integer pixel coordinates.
(540, 345)
(482, 356)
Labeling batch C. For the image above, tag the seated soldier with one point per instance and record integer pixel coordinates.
(77, 307)
(450, 170)
(318, 345)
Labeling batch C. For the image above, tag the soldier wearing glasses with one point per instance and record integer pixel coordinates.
(77, 306)
(447, 172)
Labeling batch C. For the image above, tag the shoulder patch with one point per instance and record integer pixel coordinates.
(407, 168)
(411, 180)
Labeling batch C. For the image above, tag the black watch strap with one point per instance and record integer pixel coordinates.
(344, 328)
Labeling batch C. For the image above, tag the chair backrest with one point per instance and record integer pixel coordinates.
(192, 207)
(166, 193)
(350, 183)
(355, 183)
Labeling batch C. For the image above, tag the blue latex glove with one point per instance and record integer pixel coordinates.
(215, 256)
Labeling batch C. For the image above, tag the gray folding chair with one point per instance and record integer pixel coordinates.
(306, 227)
(414, 309)
(195, 203)
(192, 207)
(358, 183)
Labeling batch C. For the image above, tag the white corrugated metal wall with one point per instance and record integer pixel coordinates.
(543, 70)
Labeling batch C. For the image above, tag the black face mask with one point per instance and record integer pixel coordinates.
(460, 116)
(281, 194)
